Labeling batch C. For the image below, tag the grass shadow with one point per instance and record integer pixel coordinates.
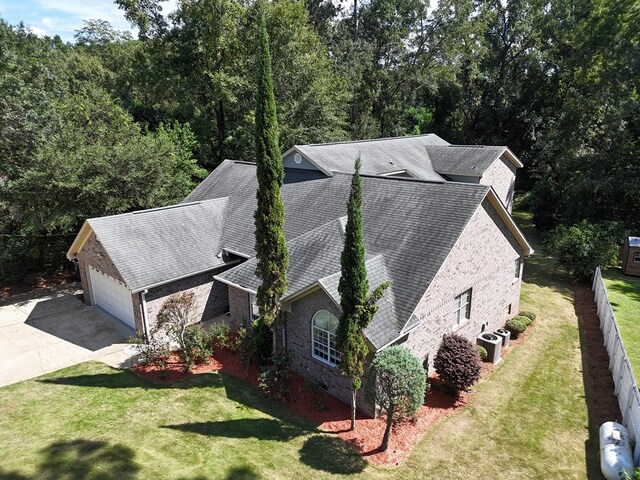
(128, 379)
(248, 396)
(242, 473)
(331, 454)
(626, 285)
(82, 459)
(258, 428)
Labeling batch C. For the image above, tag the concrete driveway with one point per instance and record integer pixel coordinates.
(42, 331)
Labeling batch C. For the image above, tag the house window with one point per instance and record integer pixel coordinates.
(323, 337)
(636, 257)
(462, 310)
(517, 265)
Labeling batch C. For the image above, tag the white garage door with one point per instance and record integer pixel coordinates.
(112, 296)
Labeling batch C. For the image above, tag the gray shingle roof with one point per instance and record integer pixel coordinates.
(312, 256)
(414, 224)
(378, 331)
(152, 247)
(471, 160)
(380, 156)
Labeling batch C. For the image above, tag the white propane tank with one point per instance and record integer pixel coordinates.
(615, 450)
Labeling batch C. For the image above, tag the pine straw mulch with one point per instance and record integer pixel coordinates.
(335, 418)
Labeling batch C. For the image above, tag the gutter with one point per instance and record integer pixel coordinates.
(145, 314)
(403, 334)
(235, 285)
(233, 252)
(164, 282)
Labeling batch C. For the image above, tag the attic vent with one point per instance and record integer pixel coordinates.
(297, 158)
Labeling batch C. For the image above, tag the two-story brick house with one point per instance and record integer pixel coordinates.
(436, 224)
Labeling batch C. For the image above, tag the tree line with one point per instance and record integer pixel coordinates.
(109, 123)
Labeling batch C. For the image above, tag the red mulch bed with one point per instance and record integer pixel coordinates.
(336, 418)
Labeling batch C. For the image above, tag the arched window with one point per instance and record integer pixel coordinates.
(323, 337)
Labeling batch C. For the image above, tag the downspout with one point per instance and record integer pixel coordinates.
(145, 315)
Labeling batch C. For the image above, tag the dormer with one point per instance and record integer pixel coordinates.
(487, 165)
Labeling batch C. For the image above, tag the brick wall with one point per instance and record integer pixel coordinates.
(483, 259)
(298, 340)
(298, 327)
(502, 176)
(211, 296)
(238, 307)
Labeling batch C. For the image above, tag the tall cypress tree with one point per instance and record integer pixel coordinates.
(271, 247)
(357, 308)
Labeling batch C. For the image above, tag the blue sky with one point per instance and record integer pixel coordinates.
(64, 17)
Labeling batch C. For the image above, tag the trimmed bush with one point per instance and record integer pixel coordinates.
(458, 364)
(523, 319)
(482, 352)
(197, 345)
(397, 384)
(516, 326)
(530, 315)
(261, 341)
(275, 378)
(221, 334)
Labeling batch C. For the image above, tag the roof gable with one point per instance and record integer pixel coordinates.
(156, 246)
(467, 160)
(379, 156)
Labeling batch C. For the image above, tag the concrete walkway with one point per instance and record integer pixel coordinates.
(47, 330)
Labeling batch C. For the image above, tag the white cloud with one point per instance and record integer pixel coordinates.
(39, 32)
(48, 22)
(75, 11)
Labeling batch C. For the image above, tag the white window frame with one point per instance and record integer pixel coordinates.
(518, 267)
(636, 257)
(462, 308)
(323, 341)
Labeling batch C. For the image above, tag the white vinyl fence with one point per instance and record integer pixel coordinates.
(626, 388)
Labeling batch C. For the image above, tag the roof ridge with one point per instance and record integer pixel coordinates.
(417, 180)
(177, 205)
(368, 140)
(467, 146)
(242, 162)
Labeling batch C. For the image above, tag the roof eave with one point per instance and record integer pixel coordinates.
(81, 238)
(508, 220)
(511, 157)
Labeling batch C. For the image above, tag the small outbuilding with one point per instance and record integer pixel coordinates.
(631, 256)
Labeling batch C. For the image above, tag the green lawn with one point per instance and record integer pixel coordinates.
(529, 419)
(624, 295)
